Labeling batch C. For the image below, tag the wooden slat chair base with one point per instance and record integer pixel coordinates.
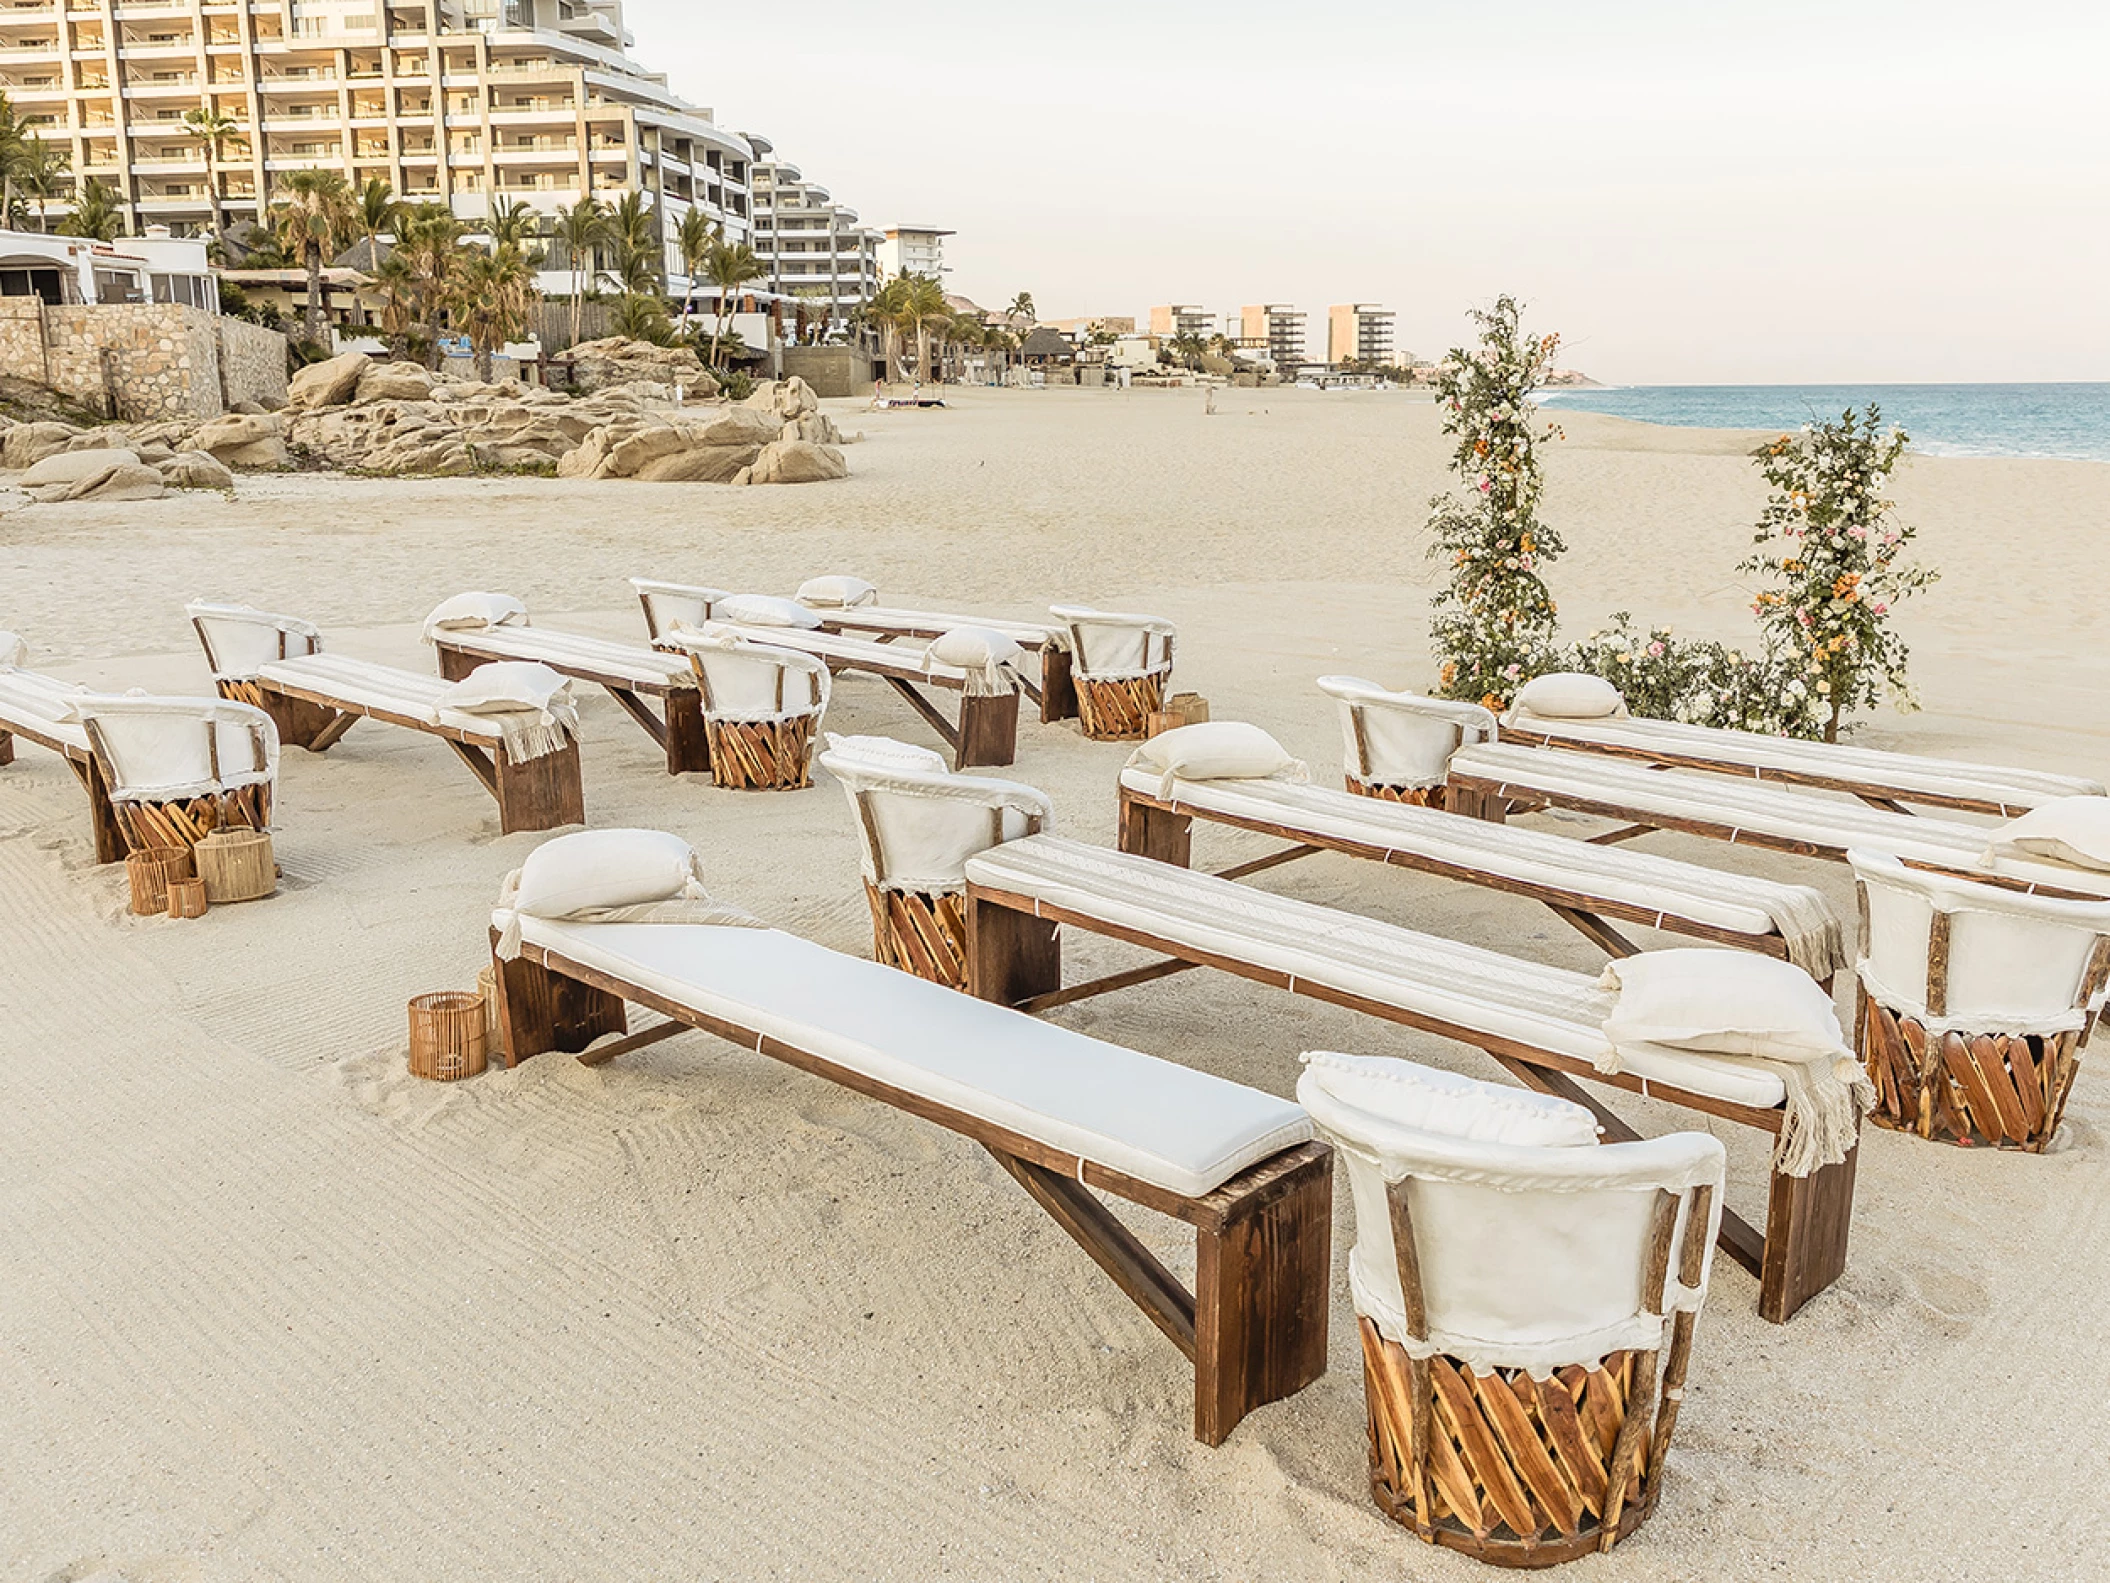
(1995, 1091)
(187, 821)
(1119, 711)
(920, 932)
(1519, 1472)
(299, 722)
(762, 755)
(1415, 797)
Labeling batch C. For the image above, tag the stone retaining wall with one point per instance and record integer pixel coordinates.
(142, 360)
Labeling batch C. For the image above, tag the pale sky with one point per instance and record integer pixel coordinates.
(1691, 191)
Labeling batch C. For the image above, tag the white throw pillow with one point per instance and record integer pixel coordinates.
(1721, 1002)
(973, 649)
(14, 653)
(2071, 830)
(887, 753)
(506, 685)
(1570, 695)
(837, 593)
(603, 868)
(1457, 1107)
(760, 610)
(475, 612)
(1215, 750)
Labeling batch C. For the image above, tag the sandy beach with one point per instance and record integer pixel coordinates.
(271, 1308)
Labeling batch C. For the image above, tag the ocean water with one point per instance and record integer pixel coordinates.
(1943, 420)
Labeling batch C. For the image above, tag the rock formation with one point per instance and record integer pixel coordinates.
(600, 365)
(93, 475)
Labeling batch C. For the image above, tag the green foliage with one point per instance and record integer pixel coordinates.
(642, 316)
(1700, 682)
(736, 384)
(95, 213)
(1495, 622)
(1830, 556)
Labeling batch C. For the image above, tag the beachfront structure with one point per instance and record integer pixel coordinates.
(66, 270)
(814, 246)
(1180, 319)
(1358, 332)
(461, 102)
(912, 250)
(1275, 328)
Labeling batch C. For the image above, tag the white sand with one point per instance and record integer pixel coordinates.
(269, 1308)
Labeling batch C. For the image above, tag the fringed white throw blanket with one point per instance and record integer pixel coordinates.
(987, 656)
(685, 901)
(529, 704)
(475, 613)
(1737, 1006)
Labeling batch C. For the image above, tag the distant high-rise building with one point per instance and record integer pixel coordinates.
(913, 250)
(460, 102)
(1358, 332)
(1180, 319)
(814, 246)
(1274, 327)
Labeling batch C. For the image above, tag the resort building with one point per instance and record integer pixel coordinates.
(813, 246)
(66, 270)
(1275, 328)
(1358, 332)
(1181, 319)
(912, 250)
(462, 102)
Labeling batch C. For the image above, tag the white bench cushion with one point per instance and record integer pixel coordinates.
(1543, 1008)
(1876, 770)
(570, 652)
(854, 653)
(363, 685)
(1182, 1130)
(43, 705)
(912, 623)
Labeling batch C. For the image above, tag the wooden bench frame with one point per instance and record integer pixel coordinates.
(1155, 827)
(541, 793)
(1877, 794)
(1255, 1325)
(677, 726)
(1014, 957)
(1056, 694)
(111, 845)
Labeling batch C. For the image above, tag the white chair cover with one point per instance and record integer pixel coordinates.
(1109, 646)
(2017, 963)
(748, 681)
(162, 749)
(916, 829)
(1402, 739)
(1530, 1258)
(239, 641)
(671, 606)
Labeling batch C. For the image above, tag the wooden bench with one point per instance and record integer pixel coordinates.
(27, 700)
(1584, 885)
(986, 731)
(1055, 693)
(1061, 1113)
(626, 672)
(539, 793)
(1542, 1023)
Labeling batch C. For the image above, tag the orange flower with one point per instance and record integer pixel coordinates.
(1491, 702)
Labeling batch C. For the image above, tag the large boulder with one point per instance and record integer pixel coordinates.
(114, 475)
(329, 384)
(393, 382)
(598, 365)
(697, 464)
(244, 439)
(27, 444)
(795, 398)
(798, 462)
(70, 467)
(196, 470)
(816, 428)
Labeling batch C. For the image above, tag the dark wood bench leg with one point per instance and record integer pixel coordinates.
(540, 793)
(1011, 956)
(110, 842)
(7, 747)
(1261, 1285)
(688, 743)
(1058, 689)
(988, 730)
(540, 1011)
(1808, 1219)
(1155, 833)
(455, 665)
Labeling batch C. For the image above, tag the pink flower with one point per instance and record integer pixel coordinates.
(1876, 607)
(1655, 651)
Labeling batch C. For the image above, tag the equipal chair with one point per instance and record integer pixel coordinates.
(180, 768)
(762, 709)
(1526, 1299)
(1120, 665)
(1398, 746)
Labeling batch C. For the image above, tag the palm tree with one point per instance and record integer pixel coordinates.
(316, 221)
(377, 211)
(580, 229)
(95, 213)
(514, 222)
(1022, 308)
(730, 265)
(12, 136)
(46, 173)
(490, 299)
(633, 237)
(641, 316)
(698, 234)
(429, 239)
(398, 281)
(212, 130)
(920, 304)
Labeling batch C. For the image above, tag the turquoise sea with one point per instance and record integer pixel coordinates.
(1943, 420)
